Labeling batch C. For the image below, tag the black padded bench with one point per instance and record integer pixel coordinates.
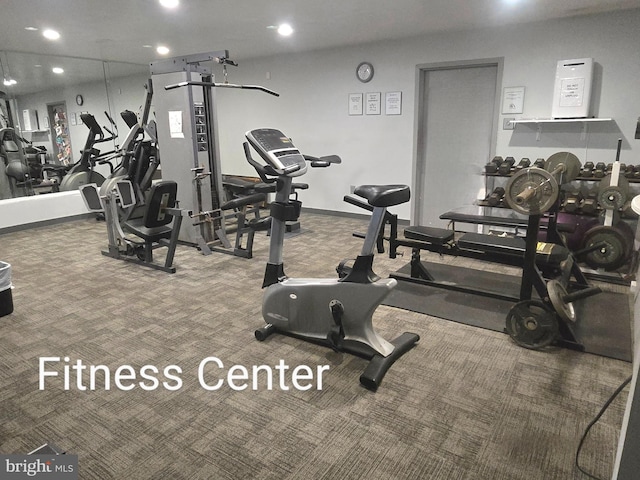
(492, 243)
(438, 236)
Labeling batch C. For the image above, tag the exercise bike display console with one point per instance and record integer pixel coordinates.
(329, 311)
(278, 151)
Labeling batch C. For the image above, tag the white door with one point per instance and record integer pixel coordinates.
(456, 132)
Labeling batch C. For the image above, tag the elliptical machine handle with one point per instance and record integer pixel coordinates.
(110, 119)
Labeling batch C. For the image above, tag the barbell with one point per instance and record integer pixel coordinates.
(535, 190)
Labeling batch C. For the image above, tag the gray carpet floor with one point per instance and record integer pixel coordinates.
(466, 403)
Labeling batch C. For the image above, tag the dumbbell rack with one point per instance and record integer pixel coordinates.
(618, 234)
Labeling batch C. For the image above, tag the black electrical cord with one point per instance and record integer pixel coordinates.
(600, 413)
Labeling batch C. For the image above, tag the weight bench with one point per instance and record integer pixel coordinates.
(243, 205)
(492, 243)
(492, 248)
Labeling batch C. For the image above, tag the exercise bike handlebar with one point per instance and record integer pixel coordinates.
(322, 161)
(221, 85)
(267, 176)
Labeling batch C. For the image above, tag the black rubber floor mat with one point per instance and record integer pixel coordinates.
(604, 320)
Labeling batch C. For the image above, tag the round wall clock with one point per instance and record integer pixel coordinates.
(79, 100)
(364, 72)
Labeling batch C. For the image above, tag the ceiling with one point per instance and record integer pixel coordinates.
(129, 30)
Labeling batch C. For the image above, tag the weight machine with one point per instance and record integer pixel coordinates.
(188, 135)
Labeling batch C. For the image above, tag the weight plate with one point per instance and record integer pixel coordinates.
(570, 162)
(628, 233)
(556, 294)
(613, 197)
(613, 250)
(531, 324)
(531, 191)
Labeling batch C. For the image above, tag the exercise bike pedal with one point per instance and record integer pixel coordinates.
(335, 336)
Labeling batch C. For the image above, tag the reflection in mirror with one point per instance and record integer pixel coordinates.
(125, 90)
(42, 133)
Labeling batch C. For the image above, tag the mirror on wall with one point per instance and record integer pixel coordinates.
(43, 100)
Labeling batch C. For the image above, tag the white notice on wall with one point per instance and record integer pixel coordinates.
(175, 124)
(393, 103)
(355, 104)
(373, 103)
(571, 92)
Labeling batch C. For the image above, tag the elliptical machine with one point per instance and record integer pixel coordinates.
(82, 172)
(332, 312)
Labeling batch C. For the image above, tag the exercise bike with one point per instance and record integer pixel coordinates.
(333, 312)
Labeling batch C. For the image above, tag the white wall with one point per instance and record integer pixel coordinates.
(312, 108)
(40, 208)
(314, 86)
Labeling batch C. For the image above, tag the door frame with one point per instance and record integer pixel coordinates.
(419, 147)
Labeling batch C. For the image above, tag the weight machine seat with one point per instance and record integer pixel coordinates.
(154, 223)
(243, 201)
(438, 236)
(384, 195)
(492, 243)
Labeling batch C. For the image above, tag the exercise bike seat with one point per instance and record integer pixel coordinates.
(384, 195)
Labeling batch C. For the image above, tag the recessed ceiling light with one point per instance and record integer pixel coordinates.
(31, 29)
(9, 81)
(147, 46)
(51, 34)
(285, 29)
(162, 50)
(57, 70)
(169, 3)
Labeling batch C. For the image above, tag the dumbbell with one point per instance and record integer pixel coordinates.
(572, 201)
(587, 170)
(590, 203)
(492, 166)
(629, 171)
(524, 163)
(636, 171)
(539, 163)
(609, 169)
(495, 197)
(505, 167)
(599, 171)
